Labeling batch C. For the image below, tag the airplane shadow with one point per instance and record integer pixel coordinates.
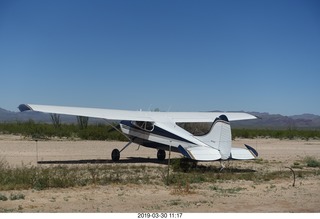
(129, 160)
(141, 160)
(215, 169)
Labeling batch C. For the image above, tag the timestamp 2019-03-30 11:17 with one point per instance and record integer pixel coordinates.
(159, 215)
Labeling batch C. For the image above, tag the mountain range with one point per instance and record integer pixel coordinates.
(277, 121)
(266, 120)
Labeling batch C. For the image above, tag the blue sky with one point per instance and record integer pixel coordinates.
(173, 55)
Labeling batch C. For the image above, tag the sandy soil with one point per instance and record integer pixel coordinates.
(269, 196)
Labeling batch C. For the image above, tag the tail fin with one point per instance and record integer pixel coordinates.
(219, 137)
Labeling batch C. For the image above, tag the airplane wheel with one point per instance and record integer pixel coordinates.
(161, 155)
(115, 155)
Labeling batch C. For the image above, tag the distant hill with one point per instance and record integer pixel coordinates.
(272, 121)
(277, 121)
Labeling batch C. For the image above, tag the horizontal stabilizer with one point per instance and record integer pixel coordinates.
(243, 154)
(252, 150)
(200, 153)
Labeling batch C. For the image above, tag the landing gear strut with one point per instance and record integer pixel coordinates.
(161, 155)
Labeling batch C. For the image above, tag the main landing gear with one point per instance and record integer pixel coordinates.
(161, 154)
(115, 154)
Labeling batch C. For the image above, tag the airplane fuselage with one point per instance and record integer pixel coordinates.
(155, 137)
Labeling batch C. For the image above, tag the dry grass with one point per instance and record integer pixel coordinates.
(263, 185)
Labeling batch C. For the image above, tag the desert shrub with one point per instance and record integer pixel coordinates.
(17, 196)
(182, 164)
(40, 178)
(43, 131)
(3, 197)
(312, 162)
(107, 132)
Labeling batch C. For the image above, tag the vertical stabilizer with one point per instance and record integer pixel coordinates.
(219, 137)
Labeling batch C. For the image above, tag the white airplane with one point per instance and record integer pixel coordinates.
(159, 130)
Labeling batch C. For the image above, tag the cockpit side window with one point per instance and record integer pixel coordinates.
(147, 126)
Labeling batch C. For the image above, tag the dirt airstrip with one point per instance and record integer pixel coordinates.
(276, 195)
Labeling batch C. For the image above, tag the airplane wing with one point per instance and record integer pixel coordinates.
(112, 114)
(207, 116)
(89, 112)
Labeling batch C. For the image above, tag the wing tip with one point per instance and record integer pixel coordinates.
(24, 107)
(252, 150)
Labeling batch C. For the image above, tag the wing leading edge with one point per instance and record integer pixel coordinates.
(109, 114)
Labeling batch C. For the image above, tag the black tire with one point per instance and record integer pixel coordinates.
(115, 155)
(161, 155)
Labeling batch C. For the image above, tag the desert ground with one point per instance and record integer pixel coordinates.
(278, 195)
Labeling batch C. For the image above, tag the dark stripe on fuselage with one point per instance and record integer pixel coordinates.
(152, 144)
(156, 131)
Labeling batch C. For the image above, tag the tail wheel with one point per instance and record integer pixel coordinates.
(161, 155)
(115, 155)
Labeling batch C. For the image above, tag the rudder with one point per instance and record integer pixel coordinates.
(219, 136)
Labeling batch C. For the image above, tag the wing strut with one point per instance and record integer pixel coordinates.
(126, 146)
(118, 130)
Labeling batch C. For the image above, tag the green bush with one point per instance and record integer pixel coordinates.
(3, 197)
(312, 162)
(107, 132)
(17, 196)
(43, 131)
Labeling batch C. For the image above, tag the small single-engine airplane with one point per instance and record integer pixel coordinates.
(159, 130)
